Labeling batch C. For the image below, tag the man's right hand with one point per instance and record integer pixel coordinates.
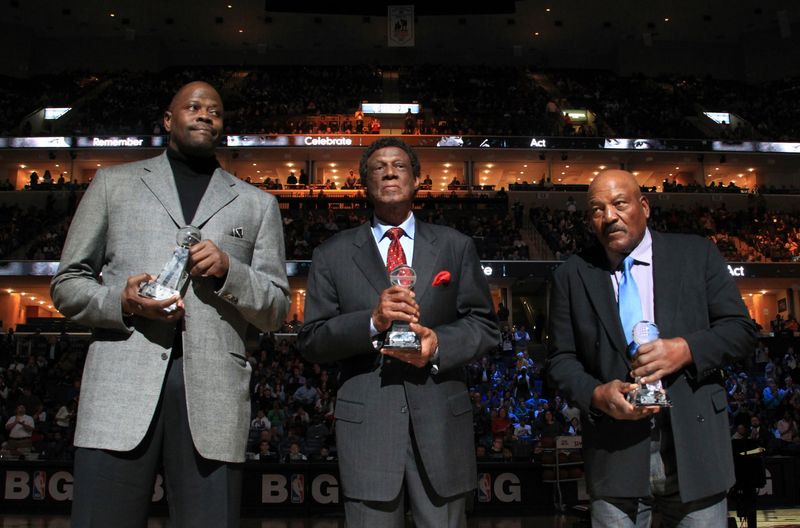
(135, 304)
(609, 398)
(395, 304)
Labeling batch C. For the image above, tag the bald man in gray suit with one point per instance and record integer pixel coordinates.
(167, 380)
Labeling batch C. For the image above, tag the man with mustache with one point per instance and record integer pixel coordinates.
(677, 461)
(166, 381)
(403, 417)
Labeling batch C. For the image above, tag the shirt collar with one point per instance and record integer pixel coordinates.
(379, 229)
(643, 253)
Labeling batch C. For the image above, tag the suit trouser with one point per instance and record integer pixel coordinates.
(429, 509)
(114, 488)
(708, 512)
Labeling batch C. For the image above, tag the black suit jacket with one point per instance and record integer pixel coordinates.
(380, 397)
(695, 298)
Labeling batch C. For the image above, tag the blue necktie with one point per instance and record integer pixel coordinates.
(630, 305)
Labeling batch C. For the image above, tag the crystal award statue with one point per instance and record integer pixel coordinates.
(647, 394)
(400, 335)
(173, 276)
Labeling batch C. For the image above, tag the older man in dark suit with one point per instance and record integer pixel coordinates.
(678, 460)
(401, 415)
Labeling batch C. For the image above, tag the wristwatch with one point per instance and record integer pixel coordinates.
(435, 361)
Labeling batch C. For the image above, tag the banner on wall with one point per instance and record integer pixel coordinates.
(400, 30)
(300, 489)
(292, 489)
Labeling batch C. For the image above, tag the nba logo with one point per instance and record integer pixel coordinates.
(298, 489)
(484, 487)
(39, 479)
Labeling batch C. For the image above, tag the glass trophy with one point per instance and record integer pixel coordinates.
(647, 394)
(173, 276)
(400, 335)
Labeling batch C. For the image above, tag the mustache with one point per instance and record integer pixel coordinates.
(613, 228)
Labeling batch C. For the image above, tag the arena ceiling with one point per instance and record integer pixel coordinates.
(514, 27)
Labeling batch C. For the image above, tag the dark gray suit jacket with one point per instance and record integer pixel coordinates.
(378, 398)
(695, 298)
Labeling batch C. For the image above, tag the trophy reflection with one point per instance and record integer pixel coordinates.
(173, 276)
(647, 394)
(400, 336)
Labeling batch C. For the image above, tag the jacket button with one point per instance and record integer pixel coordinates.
(164, 356)
(404, 409)
(700, 418)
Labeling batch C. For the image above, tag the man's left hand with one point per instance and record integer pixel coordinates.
(660, 358)
(207, 260)
(428, 343)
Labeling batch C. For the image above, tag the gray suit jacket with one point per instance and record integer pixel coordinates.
(126, 224)
(695, 298)
(379, 398)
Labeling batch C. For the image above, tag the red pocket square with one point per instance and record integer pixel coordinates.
(443, 277)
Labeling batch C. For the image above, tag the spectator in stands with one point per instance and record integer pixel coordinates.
(521, 339)
(787, 430)
(777, 324)
(408, 121)
(294, 454)
(500, 423)
(20, 428)
(265, 453)
(306, 395)
(789, 360)
(522, 430)
(549, 426)
(587, 361)
(741, 432)
(316, 435)
(351, 181)
(574, 427)
(324, 455)
(65, 416)
(761, 356)
(772, 396)
(135, 381)
(502, 313)
(260, 422)
(758, 432)
(495, 452)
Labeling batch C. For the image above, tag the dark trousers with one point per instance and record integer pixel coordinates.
(115, 488)
(427, 507)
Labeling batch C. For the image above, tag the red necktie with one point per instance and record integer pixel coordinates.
(396, 256)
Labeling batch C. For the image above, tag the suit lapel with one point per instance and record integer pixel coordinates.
(219, 193)
(158, 179)
(598, 287)
(667, 279)
(425, 254)
(161, 183)
(368, 260)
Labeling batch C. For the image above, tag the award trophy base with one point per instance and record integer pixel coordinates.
(159, 292)
(649, 395)
(401, 337)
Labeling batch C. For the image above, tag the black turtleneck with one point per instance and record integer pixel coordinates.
(191, 178)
